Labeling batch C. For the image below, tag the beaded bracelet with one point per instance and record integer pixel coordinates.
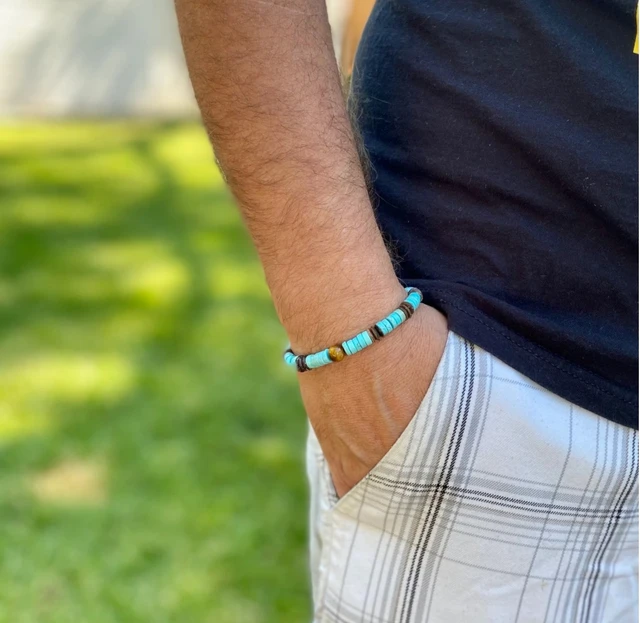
(338, 352)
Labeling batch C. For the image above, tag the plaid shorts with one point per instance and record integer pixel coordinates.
(500, 502)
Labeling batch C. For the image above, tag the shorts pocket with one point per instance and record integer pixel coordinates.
(368, 535)
(398, 456)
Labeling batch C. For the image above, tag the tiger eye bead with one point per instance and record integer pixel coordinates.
(336, 353)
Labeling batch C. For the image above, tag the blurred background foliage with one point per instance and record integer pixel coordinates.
(151, 443)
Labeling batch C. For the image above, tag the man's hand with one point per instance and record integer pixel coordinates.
(360, 406)
(268, 87)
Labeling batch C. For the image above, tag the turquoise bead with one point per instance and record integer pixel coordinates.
(413, 299)
(317, 360)
(364, 339)
(347, 347)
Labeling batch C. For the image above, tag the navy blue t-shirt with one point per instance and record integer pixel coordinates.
(503, 137)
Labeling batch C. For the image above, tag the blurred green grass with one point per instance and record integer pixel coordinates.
(151, 445)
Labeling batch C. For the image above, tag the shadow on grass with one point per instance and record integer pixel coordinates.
(150, 443)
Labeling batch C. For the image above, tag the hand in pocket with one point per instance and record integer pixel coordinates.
(360, 406)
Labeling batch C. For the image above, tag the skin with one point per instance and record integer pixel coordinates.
(269, 91)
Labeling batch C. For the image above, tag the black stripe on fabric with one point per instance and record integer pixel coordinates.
(605, 491)
(452, 451)
(614, 521)
(500, 500)
(449, 518)
(571, 543)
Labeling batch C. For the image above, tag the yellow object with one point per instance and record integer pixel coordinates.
(336, 353)
(635, 45)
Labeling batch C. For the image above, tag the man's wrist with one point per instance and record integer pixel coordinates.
(335, 314)
(327, 267)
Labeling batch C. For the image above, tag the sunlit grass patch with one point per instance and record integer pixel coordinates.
(151, 443)
(69, 378)
(72, 482)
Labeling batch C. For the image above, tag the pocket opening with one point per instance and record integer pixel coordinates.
(336, 502)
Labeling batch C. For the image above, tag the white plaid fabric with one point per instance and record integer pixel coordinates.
(500, 502)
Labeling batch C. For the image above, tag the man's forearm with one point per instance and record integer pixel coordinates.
(268, 87)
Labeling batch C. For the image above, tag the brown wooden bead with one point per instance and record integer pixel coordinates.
(407, 309)
(336, 353)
